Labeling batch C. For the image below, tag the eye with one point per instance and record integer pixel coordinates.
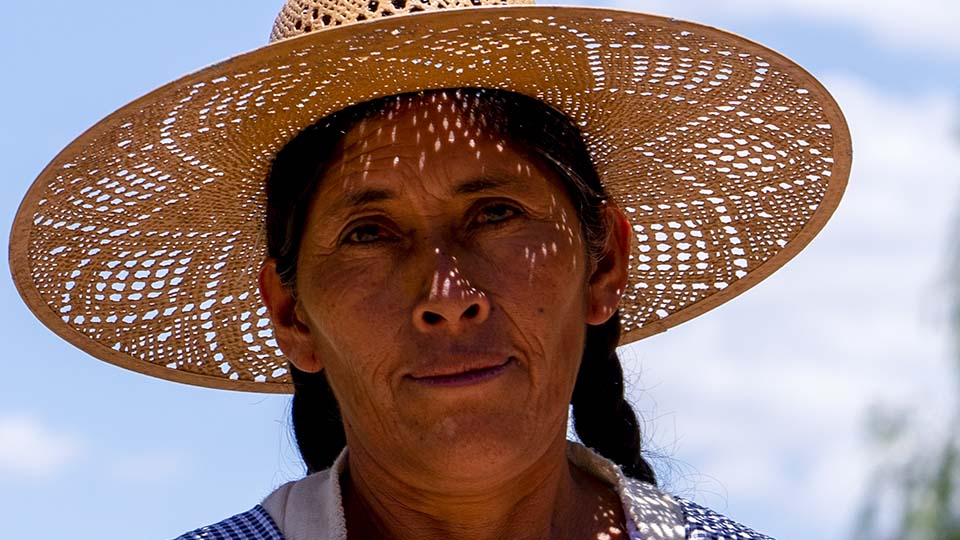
(496, 213)
(367, 233)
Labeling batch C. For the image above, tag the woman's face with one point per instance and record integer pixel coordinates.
(442, 283)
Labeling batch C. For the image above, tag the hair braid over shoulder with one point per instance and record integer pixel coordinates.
(317, 424)
(603, 418)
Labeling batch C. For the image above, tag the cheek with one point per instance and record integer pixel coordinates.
(353, 313)
(341, 289)
(353, 334)
(540, 285)
(541, 281)
(544, 266)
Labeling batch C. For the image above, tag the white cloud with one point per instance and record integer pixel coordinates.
(928, 25)
(28, 448)
(769, 393)
(906, 156)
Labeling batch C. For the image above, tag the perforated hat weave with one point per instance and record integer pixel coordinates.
(140, 243)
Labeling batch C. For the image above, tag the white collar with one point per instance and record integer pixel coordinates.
(312, 508)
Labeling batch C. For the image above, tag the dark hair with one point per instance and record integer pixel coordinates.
(603, 419)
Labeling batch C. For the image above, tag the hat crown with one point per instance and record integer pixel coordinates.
(304, 16)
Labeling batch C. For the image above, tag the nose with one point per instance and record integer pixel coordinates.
(452, 304)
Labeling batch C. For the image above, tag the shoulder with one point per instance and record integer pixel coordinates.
(705, 524)
(254, 524)
(654, 514)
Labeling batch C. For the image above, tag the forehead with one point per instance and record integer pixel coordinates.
(439, 141)
(434, 121)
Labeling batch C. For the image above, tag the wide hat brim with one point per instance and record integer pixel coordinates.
(140, 243)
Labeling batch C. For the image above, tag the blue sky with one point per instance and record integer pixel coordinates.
(758, 407)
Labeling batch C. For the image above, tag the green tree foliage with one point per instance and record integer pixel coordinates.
(913, 494)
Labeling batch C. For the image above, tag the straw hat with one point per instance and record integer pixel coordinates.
(140, 243)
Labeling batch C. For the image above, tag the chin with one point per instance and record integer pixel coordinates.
(470, 450)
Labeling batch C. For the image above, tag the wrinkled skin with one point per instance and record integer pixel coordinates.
(433, 247)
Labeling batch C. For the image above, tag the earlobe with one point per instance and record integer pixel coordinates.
(610, 274)
(291, 331)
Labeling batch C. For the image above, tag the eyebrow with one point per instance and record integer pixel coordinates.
(374, 195)
(483, 183)
(366, 196)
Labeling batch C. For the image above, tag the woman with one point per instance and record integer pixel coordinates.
(444, 270)
(412, 275)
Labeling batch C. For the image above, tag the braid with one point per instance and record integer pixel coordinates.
(317, 425)
(602, 417)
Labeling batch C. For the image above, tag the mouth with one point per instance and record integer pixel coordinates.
(464, 376)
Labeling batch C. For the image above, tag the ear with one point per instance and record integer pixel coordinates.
(610, 273)
(291, 331)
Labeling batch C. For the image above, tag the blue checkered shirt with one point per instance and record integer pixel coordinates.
(256, 524)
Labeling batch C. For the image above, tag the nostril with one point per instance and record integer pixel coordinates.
(431, 318)
(471, 311)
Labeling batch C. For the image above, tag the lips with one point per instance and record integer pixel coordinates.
(464, 372)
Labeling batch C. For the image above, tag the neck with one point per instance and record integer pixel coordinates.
(550, 499)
